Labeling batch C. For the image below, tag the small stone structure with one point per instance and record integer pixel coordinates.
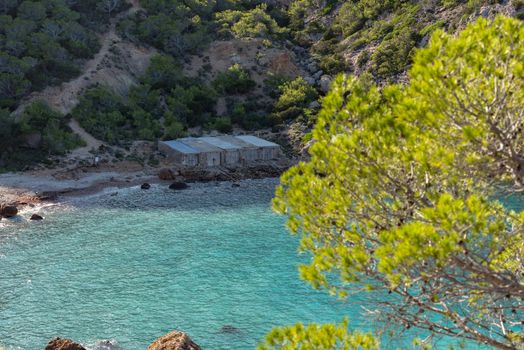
(219, 150)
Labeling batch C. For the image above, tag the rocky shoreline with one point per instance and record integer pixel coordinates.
(174, 340)
(27, 190)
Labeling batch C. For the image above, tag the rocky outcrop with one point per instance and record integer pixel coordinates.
(63, 344)
(174, 341)
(36, 217)
(48, 195)
(8, 211)
(166, 174)
(145, 186)
(325, 83)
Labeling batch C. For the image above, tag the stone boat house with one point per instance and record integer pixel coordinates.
(219, 151)
(179, 153)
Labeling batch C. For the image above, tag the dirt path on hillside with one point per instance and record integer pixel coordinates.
(91, 142)
(65, 97)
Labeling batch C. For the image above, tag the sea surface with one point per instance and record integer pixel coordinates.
(132, 265)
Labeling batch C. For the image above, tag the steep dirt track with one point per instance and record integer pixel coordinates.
(65, 97)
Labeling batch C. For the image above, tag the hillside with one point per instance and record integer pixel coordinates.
(158, 69)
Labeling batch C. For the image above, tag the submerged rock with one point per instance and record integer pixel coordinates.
(174, 341)
(145, 186)
(63, 344)
(178, 186)
(36, 217)
(8, 210)
(229, 329)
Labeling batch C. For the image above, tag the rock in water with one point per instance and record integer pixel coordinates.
(166, 174)
(36, 217)
(8, 211)
(178, 186)
(107, 345)
(63, 344)
(145, 186)
(174, 341)
(229, 329)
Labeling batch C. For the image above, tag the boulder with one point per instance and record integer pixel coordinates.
(166, 174)
(145, 186)
(318, 74)
(312, 67)
(8, 211)
(174, 341)
(310, 80)
(178, 186)
(63, 344)
(325, 83)
(36, 217)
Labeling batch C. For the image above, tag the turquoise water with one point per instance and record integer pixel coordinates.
(134, 266)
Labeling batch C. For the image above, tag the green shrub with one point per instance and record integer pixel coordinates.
(236, 80)
(255, 23)
(294, 99)
(222, 124)
(394, 55)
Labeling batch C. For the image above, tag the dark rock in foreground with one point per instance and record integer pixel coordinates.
(8, 211)
(63, 344)
(145, 186)
(178, 186)
(174, 341)
(36, 217)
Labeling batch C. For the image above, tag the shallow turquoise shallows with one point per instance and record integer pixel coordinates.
(213, 261)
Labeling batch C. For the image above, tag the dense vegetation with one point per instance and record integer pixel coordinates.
(42, 42)
(166, 103)
(45, 42)
(379, 36)
(39, 133)
(399, 196)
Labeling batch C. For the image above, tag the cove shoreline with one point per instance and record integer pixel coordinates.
(27, 189)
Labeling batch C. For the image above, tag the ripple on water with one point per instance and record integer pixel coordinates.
(133, 266)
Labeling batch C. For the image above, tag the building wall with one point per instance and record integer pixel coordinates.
(209, 159)
(189, 160)
(230, 157)
(216, 156)
(248, 155)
